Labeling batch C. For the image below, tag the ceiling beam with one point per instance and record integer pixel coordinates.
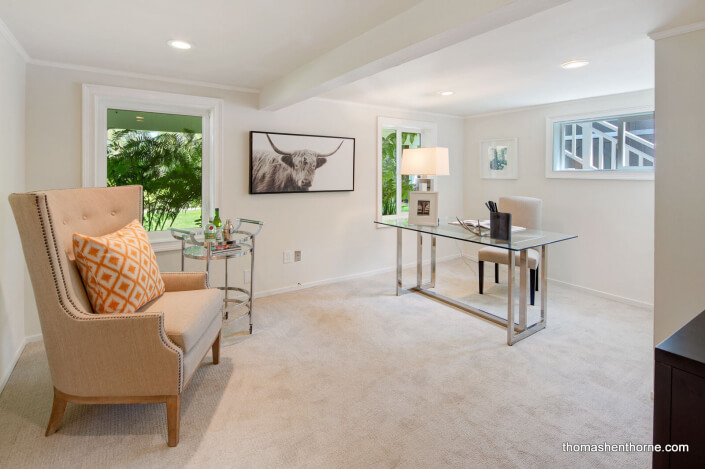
(427, 27)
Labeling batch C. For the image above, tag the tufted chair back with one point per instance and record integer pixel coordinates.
(47, 221)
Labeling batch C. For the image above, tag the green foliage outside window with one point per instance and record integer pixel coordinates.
(389, 170)
(389, 173)
(167, 165)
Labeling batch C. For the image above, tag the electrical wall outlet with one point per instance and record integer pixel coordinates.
(288, 257)
(297, 256)
(246, 276)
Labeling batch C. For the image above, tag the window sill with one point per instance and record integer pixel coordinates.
(405, 216)
(615, 175)
(162, 241)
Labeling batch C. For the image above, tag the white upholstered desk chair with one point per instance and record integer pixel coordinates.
(526, 212)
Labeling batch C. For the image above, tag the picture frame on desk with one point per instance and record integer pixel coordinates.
(423, 208)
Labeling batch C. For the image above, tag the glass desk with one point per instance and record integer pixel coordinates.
(520, 241)
(242, 242)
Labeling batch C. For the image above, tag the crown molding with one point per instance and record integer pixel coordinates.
(7, 34)
(677, 31)
(142, 76)
(386, 108)
(557, 103)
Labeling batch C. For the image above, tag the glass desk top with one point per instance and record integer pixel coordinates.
(519, 240)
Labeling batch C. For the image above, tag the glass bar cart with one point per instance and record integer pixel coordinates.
(241, 243)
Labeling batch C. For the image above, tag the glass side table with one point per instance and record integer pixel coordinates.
(242, 243)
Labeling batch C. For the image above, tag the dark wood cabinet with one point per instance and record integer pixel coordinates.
(679, 396)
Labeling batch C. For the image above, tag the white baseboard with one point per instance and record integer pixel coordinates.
(16, 357)
(370, 273)
(33, 338)
(609, 296)
(6, 376)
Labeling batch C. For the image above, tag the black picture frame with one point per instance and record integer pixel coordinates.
(290, 163)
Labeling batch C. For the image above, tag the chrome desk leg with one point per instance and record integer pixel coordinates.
(544, 283)
(523, 331)
(433, 262)
(522, 289)
(419, 259)
(510, 299)
(398, 261)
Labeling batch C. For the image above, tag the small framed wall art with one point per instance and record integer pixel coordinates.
(300, 163)
(498, 159)
(423, 208)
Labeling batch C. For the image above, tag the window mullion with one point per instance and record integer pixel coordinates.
(621, 140)
(398, 179)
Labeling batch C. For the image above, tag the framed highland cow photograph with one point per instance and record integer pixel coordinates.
(300, 163)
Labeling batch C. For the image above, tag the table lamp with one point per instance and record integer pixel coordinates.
(424, 162)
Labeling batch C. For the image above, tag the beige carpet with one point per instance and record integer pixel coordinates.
(348, 375)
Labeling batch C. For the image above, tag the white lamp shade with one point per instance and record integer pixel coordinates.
(431, 161)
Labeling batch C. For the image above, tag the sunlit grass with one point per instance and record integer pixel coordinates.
(187, 219)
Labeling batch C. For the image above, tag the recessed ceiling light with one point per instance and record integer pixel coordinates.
(571, 64)
(179, 44)
(446, 93)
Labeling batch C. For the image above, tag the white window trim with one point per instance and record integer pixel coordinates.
(429, 137)
(597, 174)
(97, 99)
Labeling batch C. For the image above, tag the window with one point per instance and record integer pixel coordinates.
(616, 145)
(163, 154)
(393, 188)
(168, 143)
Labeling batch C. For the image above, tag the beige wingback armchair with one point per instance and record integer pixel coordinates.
(526, 212)
(145, 357)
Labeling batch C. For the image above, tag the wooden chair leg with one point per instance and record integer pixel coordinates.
(173, 419)
(57, 413)
(216, 350)
(481, 274)
(532, 285)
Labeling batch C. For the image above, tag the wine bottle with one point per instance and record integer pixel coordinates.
(218, 225)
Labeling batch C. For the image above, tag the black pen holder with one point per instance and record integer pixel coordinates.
(500, 225)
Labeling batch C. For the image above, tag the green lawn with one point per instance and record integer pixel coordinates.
(187, 219)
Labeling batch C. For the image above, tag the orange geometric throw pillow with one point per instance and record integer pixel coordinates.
(119, 270)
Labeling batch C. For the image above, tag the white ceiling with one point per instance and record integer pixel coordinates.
(519, 64)
(245, 43)
(251, 44)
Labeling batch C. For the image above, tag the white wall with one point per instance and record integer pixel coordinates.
(12, 136)
(335, 231)
(680, 175)
(613, 219)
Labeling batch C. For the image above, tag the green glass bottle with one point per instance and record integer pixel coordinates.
(218, 225)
